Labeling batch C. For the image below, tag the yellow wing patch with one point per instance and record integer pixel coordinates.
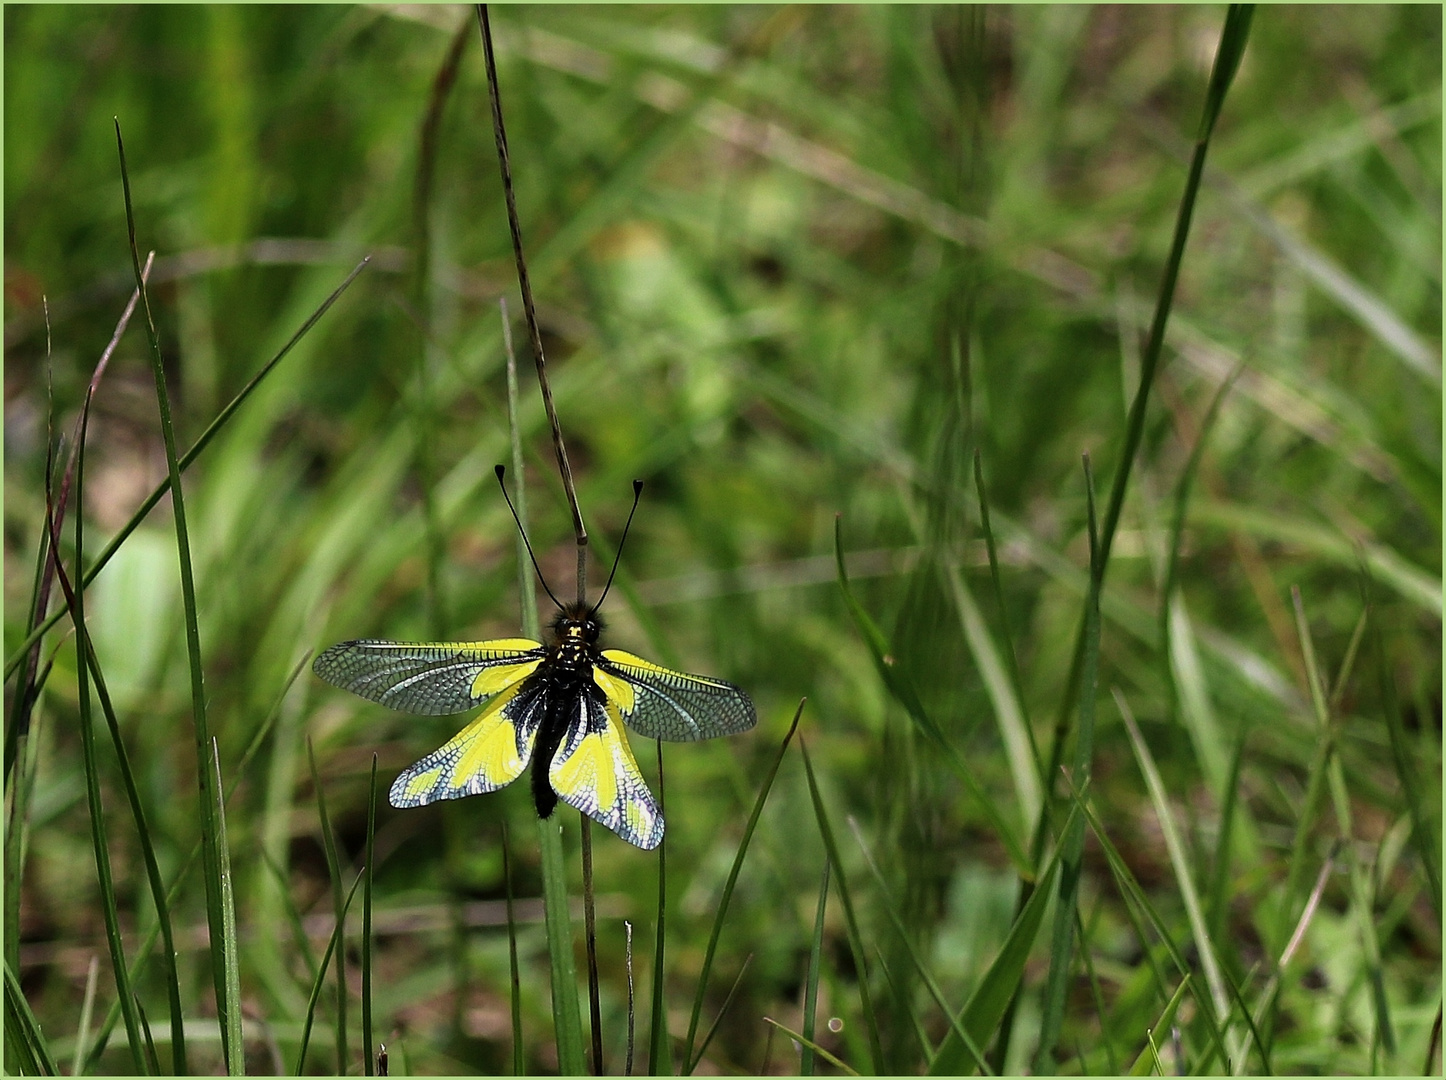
(494, 680)
(594, 771)
(489, 753)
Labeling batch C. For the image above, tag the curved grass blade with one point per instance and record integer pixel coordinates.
(320, 980)
(98, 832)
(46, 562)
(810, 982)
(333, 867)
(713, 1028)
(856, 943)
(903, 693)
(25, 1045)
(12, 662)
(86, 654)
(811, 1045)
(366, 948)
(690, 1061)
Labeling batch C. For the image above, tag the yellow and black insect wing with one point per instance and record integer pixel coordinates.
(431, 679)
(489, 753)
(664, 704)
(594, 771)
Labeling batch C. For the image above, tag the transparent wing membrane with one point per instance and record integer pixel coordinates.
(664, 704)
(430, 679)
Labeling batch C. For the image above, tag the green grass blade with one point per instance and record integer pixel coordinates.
(903, 692)
(566, 1013)
(811, 1045)
(810, 982)
(856, 943)
(1148, 1059)
(1424, 837)
(174, 891)
(368, 873)
(722, 1012)
(206, 768)
(1016, 683)
(660, 1049)
(690, 1061)
(1181, 668)
(991, 999)
(1216, 908)
(1136, 899)
(87, 1006)
(955, 1029)
(87, 659)
(12, 662)
(98, 832)
(151, 1058)
(230, 944)
(319, 982)
(515, 981)
(1087, 955)
(333, 867)
(293, 917)
(25, 1044)
(1179, 863)
(1232, 45)
(148, 856)
(906, 1007)
(21, 788)
(1072, 842)
(46, 562)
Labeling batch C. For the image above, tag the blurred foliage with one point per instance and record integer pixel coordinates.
(791, 263)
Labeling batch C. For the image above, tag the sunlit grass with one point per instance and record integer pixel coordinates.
(852, 290)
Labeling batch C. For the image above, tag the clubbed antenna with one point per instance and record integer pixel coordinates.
(501, 470)
(637, 494)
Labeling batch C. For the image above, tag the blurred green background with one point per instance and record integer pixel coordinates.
(790, 263)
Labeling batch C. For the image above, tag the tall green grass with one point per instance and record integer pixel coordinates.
(852, 290)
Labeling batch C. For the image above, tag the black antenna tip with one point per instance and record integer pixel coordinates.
(499, 469)
(637, 487)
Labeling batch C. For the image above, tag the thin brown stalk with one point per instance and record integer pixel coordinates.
(528, 308)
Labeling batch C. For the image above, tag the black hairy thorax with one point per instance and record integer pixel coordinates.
(565, 677)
